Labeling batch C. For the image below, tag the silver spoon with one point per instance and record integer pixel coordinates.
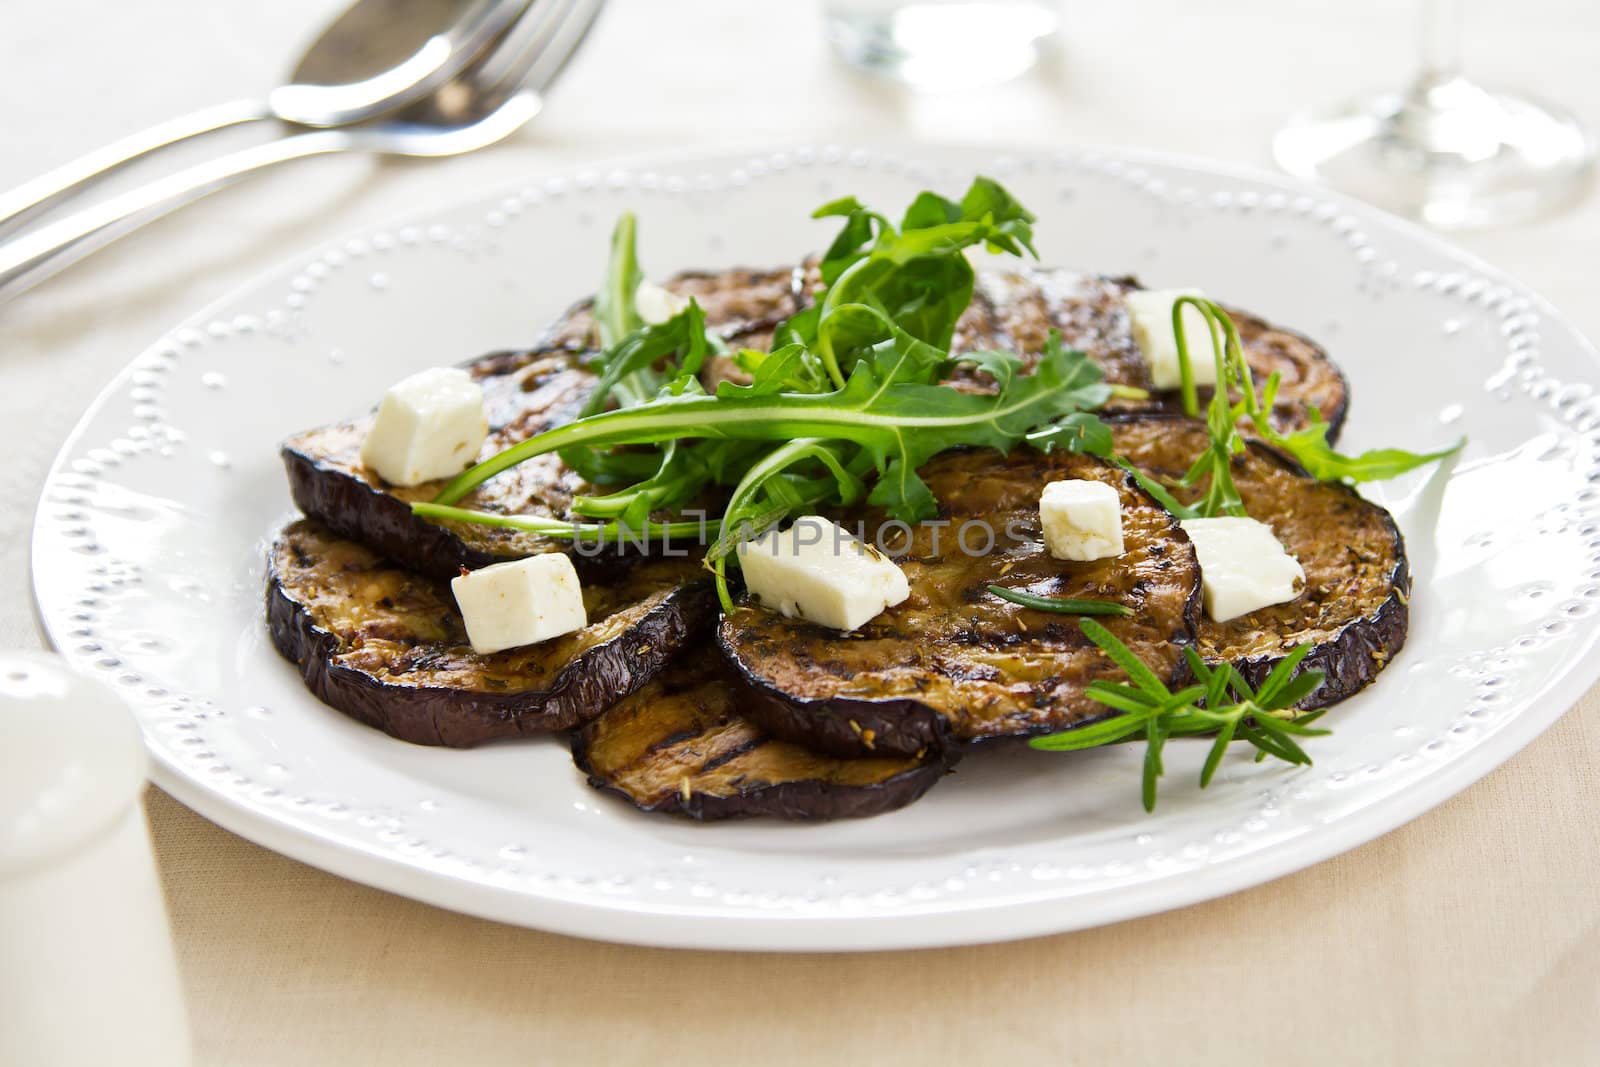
(376, 57)
(486, 104)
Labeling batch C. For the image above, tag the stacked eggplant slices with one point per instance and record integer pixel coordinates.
(793, 542)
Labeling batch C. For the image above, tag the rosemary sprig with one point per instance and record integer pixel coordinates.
(1220, 703)
(1061, 605)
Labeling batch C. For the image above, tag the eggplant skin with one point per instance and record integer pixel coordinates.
(1015, 310)
(525, 393)
(954, 664)
(1355, 607)
(681, 746)
(837, 726)
(388, 648)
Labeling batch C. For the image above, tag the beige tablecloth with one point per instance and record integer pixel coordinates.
(1471, 935)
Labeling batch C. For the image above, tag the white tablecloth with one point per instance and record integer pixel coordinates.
(1471, 935)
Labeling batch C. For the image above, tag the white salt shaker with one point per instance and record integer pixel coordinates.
(87, 974)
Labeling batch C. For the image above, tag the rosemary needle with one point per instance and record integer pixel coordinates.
(1061, 605)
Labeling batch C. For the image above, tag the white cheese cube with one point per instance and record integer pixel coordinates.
(1242, 566)
(817, 571)
(1150, 314)
(431, 425)
(522, 602)
(656, 305)
(1082, 519)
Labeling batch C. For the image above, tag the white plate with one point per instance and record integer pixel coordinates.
(147, 558)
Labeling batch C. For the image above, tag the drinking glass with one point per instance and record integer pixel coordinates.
(942, 44)
(1445, 149)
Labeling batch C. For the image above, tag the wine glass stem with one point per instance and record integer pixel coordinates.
(1441, 41)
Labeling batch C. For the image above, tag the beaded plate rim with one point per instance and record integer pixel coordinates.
(723, 914)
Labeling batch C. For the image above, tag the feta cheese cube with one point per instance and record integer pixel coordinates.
(1150, 314)
(655, 304)
(431, 425)
(817, 571)
(522, 602)
(1242, 566)
(1082, 519)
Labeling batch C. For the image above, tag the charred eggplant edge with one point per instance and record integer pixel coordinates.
(356, 510)
(439, 715)
(798, 801)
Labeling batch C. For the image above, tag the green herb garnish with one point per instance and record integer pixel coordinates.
(1221, 703)
(1059, 604)
(616, 311)
(1214, 465)
(912, 274)
(847, 405)
(1308, 446)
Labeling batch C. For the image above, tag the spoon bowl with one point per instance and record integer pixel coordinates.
(382, 55)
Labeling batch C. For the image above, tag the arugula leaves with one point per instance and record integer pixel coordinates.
(1308, 446)
(900, 423)
(913, 275)
(639, 361)
(848, 402)
(885, 422)
(1311, 449)
(1221, 703)
(615, 312)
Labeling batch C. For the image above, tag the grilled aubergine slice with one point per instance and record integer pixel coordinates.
(955, 663)
(1014, 311)
(1354, 607)
(388, 647)
(681, 745)
(525, 393)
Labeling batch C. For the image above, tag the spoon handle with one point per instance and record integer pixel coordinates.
(32, 197)
(35, 256)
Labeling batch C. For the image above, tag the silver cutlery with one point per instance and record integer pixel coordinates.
(376, 57)
(483, 105)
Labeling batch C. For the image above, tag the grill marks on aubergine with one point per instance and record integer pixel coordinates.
(681, 745)
(388, 647)
(954, 663)
(1354, 606)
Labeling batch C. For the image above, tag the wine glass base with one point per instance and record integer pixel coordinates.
(1447, 152)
